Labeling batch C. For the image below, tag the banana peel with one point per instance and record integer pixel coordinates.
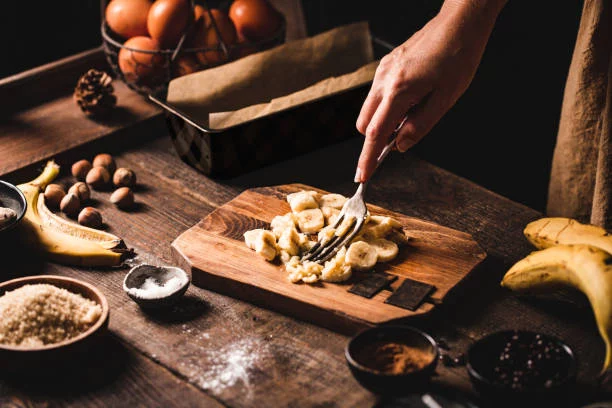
(574, 255)
(61, 240)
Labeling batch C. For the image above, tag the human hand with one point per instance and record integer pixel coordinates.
(424, 77)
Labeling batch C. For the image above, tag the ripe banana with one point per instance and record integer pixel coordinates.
(310, 220)
(546, 232)
(386, 250)
(263, 242)
(336, 269)
(584, 267)
(61, 240)
(302, 200)
(361, 256)
(332, 200)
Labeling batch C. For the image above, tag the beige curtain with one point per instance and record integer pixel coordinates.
(581, 175)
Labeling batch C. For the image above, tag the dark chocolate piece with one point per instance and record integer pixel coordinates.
(410, 294)
(374, 283)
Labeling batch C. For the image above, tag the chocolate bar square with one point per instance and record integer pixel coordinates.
(410, 294)
(374, 283)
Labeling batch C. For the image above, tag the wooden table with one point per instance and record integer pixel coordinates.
(214, 350)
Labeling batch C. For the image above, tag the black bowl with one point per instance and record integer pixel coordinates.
(557, 368)
(384, 383)
(13, 198)
(136, 277)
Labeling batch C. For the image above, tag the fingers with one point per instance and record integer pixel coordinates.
(367, 110)
(420, 121)
(388, 115)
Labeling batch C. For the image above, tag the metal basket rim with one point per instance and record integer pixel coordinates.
(170, 51)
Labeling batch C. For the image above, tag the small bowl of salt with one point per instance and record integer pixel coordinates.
(156, 286)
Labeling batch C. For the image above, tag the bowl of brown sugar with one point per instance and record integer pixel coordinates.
(47, 322)
(392, 359)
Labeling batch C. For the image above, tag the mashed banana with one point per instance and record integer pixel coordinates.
(312, 218)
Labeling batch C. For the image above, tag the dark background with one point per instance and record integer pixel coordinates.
(501, 132)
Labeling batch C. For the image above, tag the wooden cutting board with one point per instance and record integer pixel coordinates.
(215, 253)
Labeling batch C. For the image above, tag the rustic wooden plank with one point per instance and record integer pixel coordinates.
(58, 126)
(122, 376)
(298, 363)
(47, 82)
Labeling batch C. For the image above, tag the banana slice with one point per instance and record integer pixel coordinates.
(332, 200)
(345, 226)
(361, 256)
(262, 242)
(289, 241)
(379, 226)
(302, 200)
(336, 269)
(330, 214)
(326, 234)
(281, 223)
(385, 250)
(310, 221)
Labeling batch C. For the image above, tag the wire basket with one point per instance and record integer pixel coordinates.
(166, 64)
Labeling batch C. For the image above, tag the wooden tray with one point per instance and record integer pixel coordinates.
(215, 253)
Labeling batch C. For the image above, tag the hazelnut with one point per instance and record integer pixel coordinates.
(70, 204)
(90, 217)
(122, 197)
(53, 195)
(80, 169)
(105, 160)
(81, 190)
(124, 177)
(98, 177)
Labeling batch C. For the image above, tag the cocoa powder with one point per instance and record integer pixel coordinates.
(393, 358)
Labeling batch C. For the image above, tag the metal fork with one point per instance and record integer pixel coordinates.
(354, 209)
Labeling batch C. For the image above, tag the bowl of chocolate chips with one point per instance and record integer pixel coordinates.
(519, 366)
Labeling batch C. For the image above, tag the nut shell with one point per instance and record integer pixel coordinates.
(98, 177)
(81, 190)
(123, 198)
(53, 195)
(105, 160)
(70, 204)
(80, 169)
(124, 177)
(90, 217)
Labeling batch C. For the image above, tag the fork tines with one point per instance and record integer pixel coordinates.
(321, 252)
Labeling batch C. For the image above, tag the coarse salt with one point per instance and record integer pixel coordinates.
(152, 289)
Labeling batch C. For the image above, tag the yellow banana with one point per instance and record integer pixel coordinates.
(583, 267)
(547, 232)
(61, 240)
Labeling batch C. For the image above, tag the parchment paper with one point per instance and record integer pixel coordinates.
(280, 78)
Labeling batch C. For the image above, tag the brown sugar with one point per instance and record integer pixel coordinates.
(40, 314)
(393, 358)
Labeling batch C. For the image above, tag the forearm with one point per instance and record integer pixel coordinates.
(475, 13)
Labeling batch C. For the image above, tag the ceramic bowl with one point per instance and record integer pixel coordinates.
(138, 275)
(52, 358)
(483, 357)
(385, 383)
(13, 198)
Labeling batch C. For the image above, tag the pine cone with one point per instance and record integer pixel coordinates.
(94, 93)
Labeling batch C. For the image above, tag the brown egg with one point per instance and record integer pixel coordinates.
(128, 18)
(255, 19)
(167, 21)
(205, 35)
(139, 67)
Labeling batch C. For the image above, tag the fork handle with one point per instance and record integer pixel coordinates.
(388, 147)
